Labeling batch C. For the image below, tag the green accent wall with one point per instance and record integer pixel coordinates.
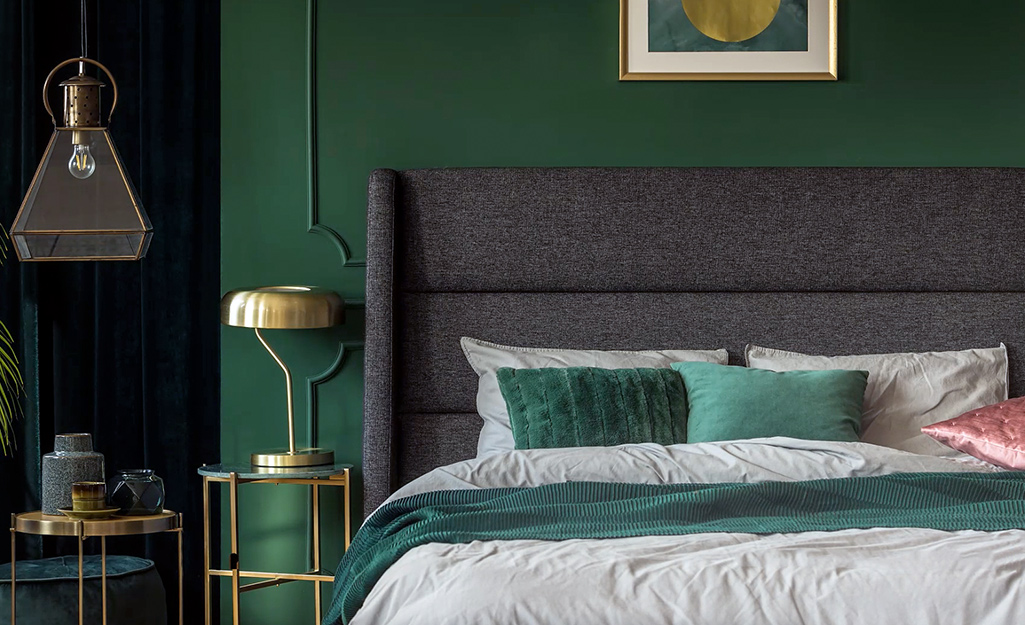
(449, 83)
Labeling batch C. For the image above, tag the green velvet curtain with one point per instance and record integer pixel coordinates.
(127, 351)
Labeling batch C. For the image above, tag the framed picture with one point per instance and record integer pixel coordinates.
(727, 40)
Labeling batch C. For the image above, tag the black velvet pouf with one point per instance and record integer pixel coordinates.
(48, 591)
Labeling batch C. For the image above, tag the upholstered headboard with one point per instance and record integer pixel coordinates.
(815, 259)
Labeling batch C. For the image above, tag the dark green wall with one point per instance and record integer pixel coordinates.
(409, 83)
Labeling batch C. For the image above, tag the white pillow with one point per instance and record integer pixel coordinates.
(908, 391)
(487, 358)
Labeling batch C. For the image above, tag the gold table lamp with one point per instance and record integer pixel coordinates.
(284, 308)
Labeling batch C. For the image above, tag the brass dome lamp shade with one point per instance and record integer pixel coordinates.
(284, 308)
(81, 205)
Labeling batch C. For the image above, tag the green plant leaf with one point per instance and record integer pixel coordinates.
(10, 388)
(11, 383)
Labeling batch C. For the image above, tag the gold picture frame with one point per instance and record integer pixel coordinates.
(637, 61)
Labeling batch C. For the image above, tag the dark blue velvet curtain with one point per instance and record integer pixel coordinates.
(127, 351)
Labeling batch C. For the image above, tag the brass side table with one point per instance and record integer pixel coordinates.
(41, 524)
(235, 475)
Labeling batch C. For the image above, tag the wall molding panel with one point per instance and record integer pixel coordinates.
(313, 224)
(312, 382)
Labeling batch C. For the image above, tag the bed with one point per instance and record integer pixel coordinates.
(820, 260)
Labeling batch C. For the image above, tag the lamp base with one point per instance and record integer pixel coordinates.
(282, 458)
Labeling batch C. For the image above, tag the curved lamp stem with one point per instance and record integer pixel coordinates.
(288, 390)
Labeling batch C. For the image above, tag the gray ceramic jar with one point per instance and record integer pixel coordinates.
(72, 460)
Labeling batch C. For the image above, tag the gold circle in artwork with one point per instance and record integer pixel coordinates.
(731, 20)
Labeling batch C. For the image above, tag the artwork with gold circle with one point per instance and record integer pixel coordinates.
(728, 40)
(727, 25)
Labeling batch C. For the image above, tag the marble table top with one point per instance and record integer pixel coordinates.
(251, 472)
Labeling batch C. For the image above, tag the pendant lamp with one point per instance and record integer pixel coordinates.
(81, 205)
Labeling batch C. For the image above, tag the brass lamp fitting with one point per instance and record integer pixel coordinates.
(81, 105)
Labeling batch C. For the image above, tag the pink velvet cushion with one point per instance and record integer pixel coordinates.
(994, 433)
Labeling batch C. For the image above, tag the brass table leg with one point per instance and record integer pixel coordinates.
(81, 594)
(316, 550)
(206, 549)
(13, 595)
(348, 532)
(103, 583)
(233, 496)
(181, 577)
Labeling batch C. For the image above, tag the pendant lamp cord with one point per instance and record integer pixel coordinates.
(85, 39)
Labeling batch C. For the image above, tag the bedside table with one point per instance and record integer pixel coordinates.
(41, 524)
(236, 475)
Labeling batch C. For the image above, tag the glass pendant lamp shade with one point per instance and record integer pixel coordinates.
(81, 204)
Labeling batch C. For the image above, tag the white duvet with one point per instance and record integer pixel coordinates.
(875, 577)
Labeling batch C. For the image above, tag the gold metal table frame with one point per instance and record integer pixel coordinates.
(39, 524)
(331, 475)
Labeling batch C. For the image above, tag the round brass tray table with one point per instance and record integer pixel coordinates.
(41, 524)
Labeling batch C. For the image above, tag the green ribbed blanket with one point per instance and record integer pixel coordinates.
(943, 501)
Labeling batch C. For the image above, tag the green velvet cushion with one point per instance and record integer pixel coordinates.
(730, 403)
(591, 407)
(48, 591)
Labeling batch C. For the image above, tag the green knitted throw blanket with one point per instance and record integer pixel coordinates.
(943, 501)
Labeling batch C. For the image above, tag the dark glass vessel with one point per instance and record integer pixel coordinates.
(137, 492)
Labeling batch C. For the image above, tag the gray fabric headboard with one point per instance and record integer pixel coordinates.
(815, 259)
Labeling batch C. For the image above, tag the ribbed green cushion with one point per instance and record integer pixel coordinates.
(733, 403)
(591, 407)
(48, 591)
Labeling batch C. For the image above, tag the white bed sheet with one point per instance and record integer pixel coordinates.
(878, 576)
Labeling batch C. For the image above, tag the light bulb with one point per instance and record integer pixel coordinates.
(82, 164)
